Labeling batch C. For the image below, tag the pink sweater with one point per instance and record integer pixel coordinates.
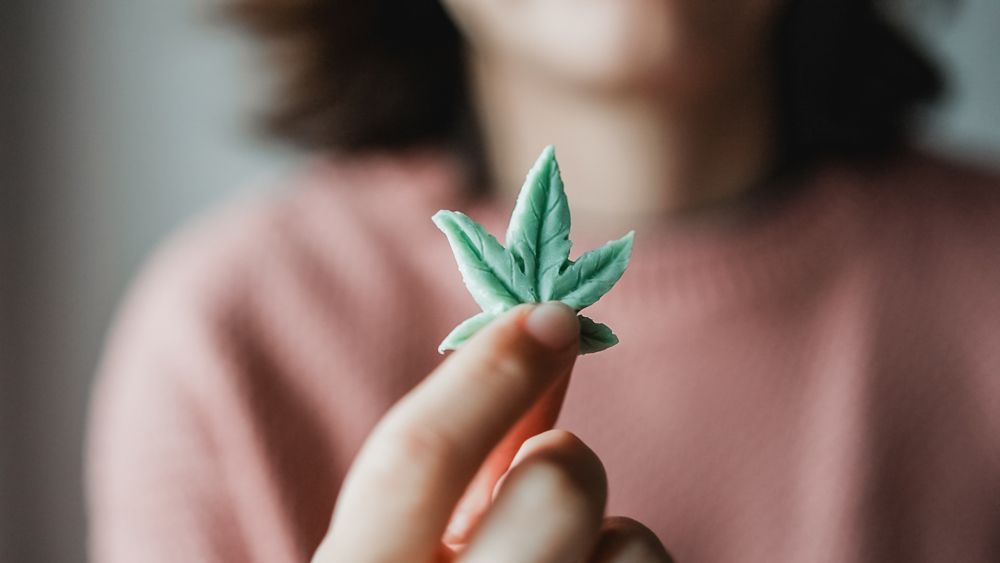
(818, 383)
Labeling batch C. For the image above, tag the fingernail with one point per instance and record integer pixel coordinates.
(553, 324)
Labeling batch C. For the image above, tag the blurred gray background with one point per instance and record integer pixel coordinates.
(119, 119)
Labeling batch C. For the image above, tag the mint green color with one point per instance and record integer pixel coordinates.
(535, 266)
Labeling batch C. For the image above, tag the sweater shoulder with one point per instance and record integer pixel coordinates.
(331, 247)
(953, 203)
(934, 239)
(930, 214)
(935, 236)
(328, 223)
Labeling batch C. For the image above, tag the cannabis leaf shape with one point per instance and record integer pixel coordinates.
(535, 266)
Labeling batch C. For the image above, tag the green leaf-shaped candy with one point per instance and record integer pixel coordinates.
(464, 331)
(594, 336)
(535, 266)
(593, 274)
(538, 233)
(489, 271)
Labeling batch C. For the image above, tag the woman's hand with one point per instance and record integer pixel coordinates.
(464, 448)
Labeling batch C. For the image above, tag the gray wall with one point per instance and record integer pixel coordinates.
(968, 42)
(8, 78)
(131, 117)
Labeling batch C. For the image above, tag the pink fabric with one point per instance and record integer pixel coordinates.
(818, 383)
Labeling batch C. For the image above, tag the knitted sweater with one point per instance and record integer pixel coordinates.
(817, 381)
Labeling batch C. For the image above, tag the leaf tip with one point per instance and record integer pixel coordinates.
(440, 217)
(595, 337)
(627, 241)
(544, 163)
(445, 219)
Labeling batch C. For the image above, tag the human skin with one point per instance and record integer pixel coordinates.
(659, 108)
(489, 402)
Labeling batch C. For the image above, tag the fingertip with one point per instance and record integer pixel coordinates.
(553, 324)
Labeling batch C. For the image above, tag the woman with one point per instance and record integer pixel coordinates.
(808, 363)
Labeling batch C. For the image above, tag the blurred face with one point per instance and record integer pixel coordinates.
(684, 45)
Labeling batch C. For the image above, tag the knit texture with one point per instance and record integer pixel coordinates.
(817, 381)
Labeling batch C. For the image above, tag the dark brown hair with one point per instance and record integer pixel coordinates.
(388, 74)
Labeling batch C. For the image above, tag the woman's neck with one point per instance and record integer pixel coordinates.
(627, 160)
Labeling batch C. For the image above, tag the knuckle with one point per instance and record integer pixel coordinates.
(555, 484)
(579, 460)
(626, 526)
(564, 442)
(421, 445)
(556, 438)
(626, 539)
(396, 448)
(505, 364)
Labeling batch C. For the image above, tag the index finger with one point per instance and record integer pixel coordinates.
(419, 458)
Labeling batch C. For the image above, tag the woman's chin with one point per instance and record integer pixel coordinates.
(604, 47)
(615, 69)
